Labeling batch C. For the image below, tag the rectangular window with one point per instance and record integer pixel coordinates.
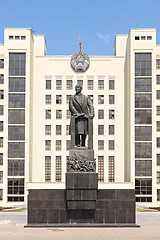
(48, 99)
(16, 116)
(16, 167)
(58, 129)
(111, 84)
(67, 129)
(1, 126)
(16, 186)
(100, 144)
(48, 84)
(143, 133)
(143, 199)
(100, 99)
(158, 79)
(58, 145)
(158, 194)
(1, 141)
(111, 114)
(58, 168)
(111, 129)
(157, 110)
(158, 177)
(16, 133)
(23, 37)
(1, 94)
(111, 144)
(1, 176)
(80, 82)
(143, 116)
(158, 159)
(136, 37)
(11, 37)
(47, 144)
(143, 186)
(100, 129)
(1, 63)
(17, 63)
(143, 150)
(47, 129)
(58, 114)
(1, 109)
(16, 100)
(58, 99)
(111, 168)
(15, 199)
(91, 98)
(1, 194)
(16, 84)
(100, 114)
(47, 168)
(158, 126)
(68, 114)
(68, 98)
(143, 100)
(16, 37)
(149, 37)
(158, 63)
(16, 150)
(143, 84)
(143, 38)
(100, 168)
(111, 99)
(69, 84)
(158, 94)
(68, 145)
(158, 142)
(100, 84)
(1, 158)
(58, 84)
(1, 78)
(143, 168)
(48, 114)
(143, 64)
(90, 84)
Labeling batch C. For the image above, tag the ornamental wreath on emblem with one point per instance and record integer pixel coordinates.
(80, 62)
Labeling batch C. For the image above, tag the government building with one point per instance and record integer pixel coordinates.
(35, 89)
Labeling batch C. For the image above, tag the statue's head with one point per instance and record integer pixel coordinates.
(78, 88)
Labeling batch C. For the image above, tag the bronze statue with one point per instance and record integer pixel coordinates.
(82, 108)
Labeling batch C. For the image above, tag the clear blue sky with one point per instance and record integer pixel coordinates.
(97, 21)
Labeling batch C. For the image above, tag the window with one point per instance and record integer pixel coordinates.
(91, 98)
(100, 144)
(48, 99)
(1, 126)
(1, 78)
(111, 99)
(80, 82)
(16, 133)
(16, 37)
(68, 98)
(48, 114)
(58, 129)
(16, 167)
(143, 64)
(16, 186)
(69, 84)
(58, 84)
(158, 94)
(100, 114)
(100, 168)
(10, 37)
(158, 159)
(58, 168)
(111, 168)
(58, 114)
(158, 126)
(111, 114)
(158, 79)
(1, 63)
(111, 129)
(158, 142)
(1, 109)
(111, 144)
(158, 194)
(68, 145)
(143, 116)
(48, 84)
(47, 144)
(100, 84)
(143, 133)
(100, 99)
(143, 150)
(23, 37)
(1, 94)
(1, 194)
(58, 145)
(143, 38)
(143, 199)
(16, 116)
(17, 64)
(1, 177)
(58, 99)
(143, 100)
(1, 158)
(16, 100)
(111, 84)
(67, 129)
(143, 85)
(47, 168)
(16, 84)
(149, 37)
(90, 84)
(158, 63)
(157, 110)
(136, 37)
(16, 150)
(158, 177)
(143, 186)
(47, 129)
(100, 129)
(1, 141)
(143, 168)
(15, 199)
(68, 114)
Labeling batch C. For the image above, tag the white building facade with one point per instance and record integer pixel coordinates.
(34, 116)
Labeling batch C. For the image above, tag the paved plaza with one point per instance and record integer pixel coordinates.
(12, 227)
